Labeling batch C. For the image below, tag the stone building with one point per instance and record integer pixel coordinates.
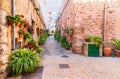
(27, 8)
(90, 18)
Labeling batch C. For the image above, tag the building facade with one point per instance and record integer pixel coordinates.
(90, 18)
(27, 8)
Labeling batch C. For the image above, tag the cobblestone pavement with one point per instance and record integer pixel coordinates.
(63, 64)
(75, 66)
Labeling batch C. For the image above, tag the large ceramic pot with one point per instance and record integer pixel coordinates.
(107, 51)
(117, 53)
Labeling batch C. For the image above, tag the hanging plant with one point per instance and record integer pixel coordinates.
(22, 22)
(18, 17)
(11, 20)
(21, 34)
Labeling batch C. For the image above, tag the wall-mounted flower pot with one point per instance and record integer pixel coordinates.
(16, 40)
(107, 51)
(20, 36)
(87, 40)
(17, 23)
(22, 24)
(10, 22)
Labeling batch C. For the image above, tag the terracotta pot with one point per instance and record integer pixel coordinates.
(17, 23)
(87, 40)
(20, 36)
(21, 24)
(107, 51)
(117, 53)
(10, 22)
(16, 40)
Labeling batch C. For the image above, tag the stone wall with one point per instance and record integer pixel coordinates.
(5, 36)
(22, 7)
(91, 18)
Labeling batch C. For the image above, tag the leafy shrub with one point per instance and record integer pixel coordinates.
(18, 17)
(43, 38)
(22, 61)
(33, 45)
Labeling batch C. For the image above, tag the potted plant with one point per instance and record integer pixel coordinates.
(71, 31)
(22, 61)
(16, 40)
(116, 46)
(98, 41)
(107, 50)
(21, 34)
(22, 22)
(88, 38)
(27, 36)
(18, 17)
(10, 20)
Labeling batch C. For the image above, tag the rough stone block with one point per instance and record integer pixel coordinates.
(3, 48)
(3, 59)
(2, 69)
(3, 15)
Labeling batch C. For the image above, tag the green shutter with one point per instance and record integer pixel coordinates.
(93, 51)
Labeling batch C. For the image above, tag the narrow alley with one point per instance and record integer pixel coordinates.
(59, 39)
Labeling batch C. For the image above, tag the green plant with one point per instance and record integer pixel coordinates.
(22, 61)
(65, 44)
(18, 17)
(89, 38)
(22, 21)
(116, 43)
(98, 41)
(39, 50)
(28, 35)
(37, 9)
(71, 31)
(11, 18)
(21, 32)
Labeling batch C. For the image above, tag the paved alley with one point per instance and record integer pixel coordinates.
(59, 63)
(63, 64)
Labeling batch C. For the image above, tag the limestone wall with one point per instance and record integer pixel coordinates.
(22, 7)
(5, 36)
(91, 18)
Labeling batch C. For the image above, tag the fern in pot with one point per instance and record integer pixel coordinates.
(22, 61)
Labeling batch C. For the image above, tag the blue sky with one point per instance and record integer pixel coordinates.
(51, 10)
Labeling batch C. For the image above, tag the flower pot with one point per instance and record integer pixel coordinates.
(21, 24)
(16, 40)
(17, 23)
(87, 40)
(20, 36)
(10, 22)
(117, 53)
(107, 51)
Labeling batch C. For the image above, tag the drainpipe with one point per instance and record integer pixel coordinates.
(103, 27)
(13, 28)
